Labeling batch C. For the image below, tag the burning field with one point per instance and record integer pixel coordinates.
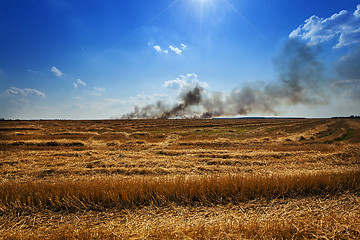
(176, 179)
(302, 79)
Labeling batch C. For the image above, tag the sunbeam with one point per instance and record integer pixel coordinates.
(152, 19)
(246, 20)
(146, 23)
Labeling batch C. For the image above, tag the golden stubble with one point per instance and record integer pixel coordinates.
(168, 179)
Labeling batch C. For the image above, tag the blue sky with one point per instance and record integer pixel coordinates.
(98, 59)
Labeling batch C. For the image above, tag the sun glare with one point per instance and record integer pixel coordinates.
(203, 2)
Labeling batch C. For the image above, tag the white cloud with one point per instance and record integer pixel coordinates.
(295, 33)
(187, 81)
(159, 50)
(79, 82)
(175, 50)
(24, 92)
(357, 12)
(349, 38)
(31, 71)
(56, 71)
(99, 89)
(343, 26)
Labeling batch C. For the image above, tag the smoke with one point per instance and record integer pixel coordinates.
(300, 77)
(189, 97)
(348, 69)
(300, 81)
(348, 66)
(303, 79)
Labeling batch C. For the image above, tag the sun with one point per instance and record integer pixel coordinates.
(202, 8)
(203, 2)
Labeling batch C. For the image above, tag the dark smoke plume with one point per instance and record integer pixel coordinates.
(189, 98)
(349, 66)
(161, 110)
(301, 80)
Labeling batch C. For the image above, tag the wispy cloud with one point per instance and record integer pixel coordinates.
(20, 96)
(343, 26)
(31, 71)
(188, 81)
(79, 82)
(24, 92)
(98, 91)
(159, 50)
(177, 50)
(56, 71)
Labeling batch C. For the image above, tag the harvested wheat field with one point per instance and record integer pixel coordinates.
(180, 179)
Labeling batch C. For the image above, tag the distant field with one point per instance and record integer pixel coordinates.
(176, 179)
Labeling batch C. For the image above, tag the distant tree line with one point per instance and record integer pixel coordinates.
(352, 116)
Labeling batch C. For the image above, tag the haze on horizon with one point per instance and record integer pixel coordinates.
(64, 59)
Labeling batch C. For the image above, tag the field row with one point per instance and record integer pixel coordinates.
(180, 179)
(305, 218)
(73, 149)
(120, 193)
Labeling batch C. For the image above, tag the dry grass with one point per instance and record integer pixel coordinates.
(128, 193)
(304, 218)
(180, 179)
